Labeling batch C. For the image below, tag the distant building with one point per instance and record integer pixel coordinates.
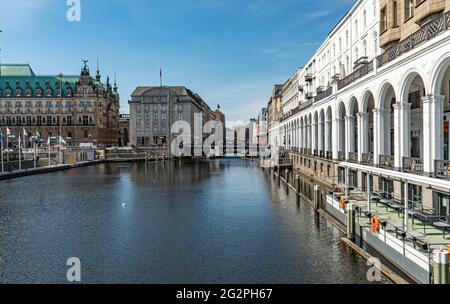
(220, 117)
(154, 109)
(124, 130)
(82, 107)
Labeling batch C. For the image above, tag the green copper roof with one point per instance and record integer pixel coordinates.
(23, 74)
(16, 70)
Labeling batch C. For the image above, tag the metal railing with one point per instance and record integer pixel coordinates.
(323, 94)
(322, 154)
(316, 152)
(359, 73)
(341, 156)
(353, 157)
(427, 32)
(367, 159)
(413, 165)
(442, 169)
(387, 161)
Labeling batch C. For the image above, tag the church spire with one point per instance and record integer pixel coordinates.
(98, 76)
(115, 83)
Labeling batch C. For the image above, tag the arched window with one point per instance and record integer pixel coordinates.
(365, 48)
(365, 19)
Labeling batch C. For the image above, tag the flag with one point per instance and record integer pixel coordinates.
(8, 132)
(37, 136)
(19, 140)
(161, 76)
(61, 140)
(1, 135)
(24, 133)
(48, 141)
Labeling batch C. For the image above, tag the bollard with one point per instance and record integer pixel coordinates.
(441, 267)
(297, 183)
(351, 222)
(316, 196)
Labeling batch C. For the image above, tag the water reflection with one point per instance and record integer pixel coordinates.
(221, 221)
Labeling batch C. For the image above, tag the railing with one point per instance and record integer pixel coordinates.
(442, 168)
(426, 33)
(305, 105)
(324, 94)
(308, 152)
(316, 152)
(322, 154)
(341, 156)
(386, 161)
(329, 155)
(309, 95)
(290, 114)
(413, 165)
(367, 159)
(359, 73)
(353, 157)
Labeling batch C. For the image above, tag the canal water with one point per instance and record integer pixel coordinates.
(219, 221)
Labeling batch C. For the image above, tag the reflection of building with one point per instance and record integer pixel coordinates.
(124, 130)
(87, 110)
(366, 114)
(153, 110)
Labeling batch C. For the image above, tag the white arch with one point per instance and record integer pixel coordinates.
(437, 76)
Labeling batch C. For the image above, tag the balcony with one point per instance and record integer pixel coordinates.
(367, 159)
(309, 77)
(323, 94)
(426, 33)
(353, 157)
(309, 95)
(387, 161)
(442, 169)
(329, 155)
(413, 165)
(341, 156)
(358, 74)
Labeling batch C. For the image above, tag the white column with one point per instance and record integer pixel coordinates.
(401, 133)
(320, 136)
(363, 135)
(314, 137)
(327, 137)
(350, 132)
(335, 139)
(376, 136)
(433, 135)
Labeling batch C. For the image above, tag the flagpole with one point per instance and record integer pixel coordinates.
(34, 141)
(7, 147)
(49, 152)
(3, 168)
(60, 119)
(20, 157)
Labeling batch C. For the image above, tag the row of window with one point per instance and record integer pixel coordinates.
(47, 104)
(408, 13)
(44, 120)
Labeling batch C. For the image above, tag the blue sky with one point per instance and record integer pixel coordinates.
(231, 52)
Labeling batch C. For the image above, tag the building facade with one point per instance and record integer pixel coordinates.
(374, 103)
(154, 110)
(124, 130)
(80, 108)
